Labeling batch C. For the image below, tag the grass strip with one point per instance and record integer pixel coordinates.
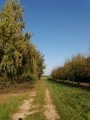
(38, 102)
(71, 103)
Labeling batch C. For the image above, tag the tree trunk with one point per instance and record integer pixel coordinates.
(89, 84)
(78, 83)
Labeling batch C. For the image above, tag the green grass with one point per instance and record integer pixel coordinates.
(8, 107)
(71, 103)
(40, 95)
(9, 103)
(38, 102)
(36, 116)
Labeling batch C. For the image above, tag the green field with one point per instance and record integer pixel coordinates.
(71, 103)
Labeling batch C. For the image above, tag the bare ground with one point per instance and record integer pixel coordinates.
(49, 108)
(50, 111)
(23, 110)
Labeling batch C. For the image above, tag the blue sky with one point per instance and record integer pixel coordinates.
(61, 28)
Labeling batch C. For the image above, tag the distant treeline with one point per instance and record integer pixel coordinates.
(76, 69)
(19, 58)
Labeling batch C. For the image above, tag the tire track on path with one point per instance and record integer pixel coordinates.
(23, 110)
(50, 111)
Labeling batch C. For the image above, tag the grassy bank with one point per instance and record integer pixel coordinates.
(71, 103)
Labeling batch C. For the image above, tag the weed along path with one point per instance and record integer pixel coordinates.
(39, 105)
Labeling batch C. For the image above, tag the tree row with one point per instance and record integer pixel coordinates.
(76, 69)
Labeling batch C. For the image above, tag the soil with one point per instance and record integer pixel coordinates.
(49, 108)
(24, 109)
(50, 111)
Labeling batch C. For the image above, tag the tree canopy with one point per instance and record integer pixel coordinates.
(19, 58)
(75, 69)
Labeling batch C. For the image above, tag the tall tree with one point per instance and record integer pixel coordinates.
(17, 53)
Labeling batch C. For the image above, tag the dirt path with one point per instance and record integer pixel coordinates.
(23, 110)
(50, 111)
(26, 108)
